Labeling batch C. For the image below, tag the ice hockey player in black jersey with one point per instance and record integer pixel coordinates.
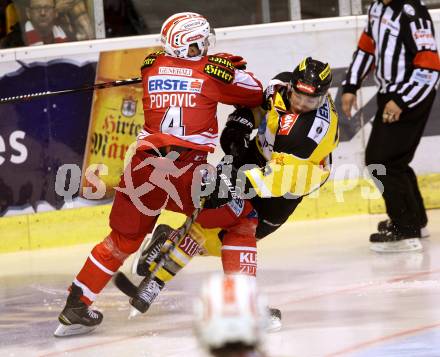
(289, 158)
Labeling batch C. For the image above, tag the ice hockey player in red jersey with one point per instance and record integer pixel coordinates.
(289, 158)
(182, 87)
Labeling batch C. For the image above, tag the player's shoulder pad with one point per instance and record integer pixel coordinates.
(221, 61)
(220, 68)
(151, 58)
(332, 104)
(283, 77)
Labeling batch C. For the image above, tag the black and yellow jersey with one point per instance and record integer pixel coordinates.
(296, 148)
(287, 159)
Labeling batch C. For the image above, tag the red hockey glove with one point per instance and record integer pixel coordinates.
(237, 61)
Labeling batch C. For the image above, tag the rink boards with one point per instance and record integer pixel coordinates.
(40, 136)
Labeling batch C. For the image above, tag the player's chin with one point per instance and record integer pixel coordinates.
(298, 110)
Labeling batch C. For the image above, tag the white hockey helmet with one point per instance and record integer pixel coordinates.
(230, 311)
(183, 29)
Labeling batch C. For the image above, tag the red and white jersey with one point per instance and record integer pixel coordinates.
(180, 99)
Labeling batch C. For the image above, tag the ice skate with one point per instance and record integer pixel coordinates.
(392, 241)
(275, 323)
(150, 249)
(147, 292)
(406, 245)
(387, 225)
(77, 318)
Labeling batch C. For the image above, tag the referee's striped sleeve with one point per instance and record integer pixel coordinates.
(426, 64)
(363, 60)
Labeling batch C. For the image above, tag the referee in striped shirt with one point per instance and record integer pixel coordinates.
(398, 43)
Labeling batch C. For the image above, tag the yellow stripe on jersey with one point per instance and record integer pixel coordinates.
(285, 172)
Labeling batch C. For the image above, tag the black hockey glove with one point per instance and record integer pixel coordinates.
(235, 137)
(224, 189)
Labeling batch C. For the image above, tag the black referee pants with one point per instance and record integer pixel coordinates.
(393, 145)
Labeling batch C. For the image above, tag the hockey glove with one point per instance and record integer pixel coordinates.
(237, 61)
(275, 85)
(224, 190)
(235, 137)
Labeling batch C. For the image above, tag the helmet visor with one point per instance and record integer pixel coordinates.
(211, 38)
(305, 103)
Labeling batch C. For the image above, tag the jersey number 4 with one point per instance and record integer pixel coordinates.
(172, 122)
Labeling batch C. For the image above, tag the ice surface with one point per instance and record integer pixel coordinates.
(337, 298)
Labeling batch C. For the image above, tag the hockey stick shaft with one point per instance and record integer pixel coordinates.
(124, 284)
(30, 96)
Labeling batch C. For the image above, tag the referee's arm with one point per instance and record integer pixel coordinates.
(419, 39)
(363, 60)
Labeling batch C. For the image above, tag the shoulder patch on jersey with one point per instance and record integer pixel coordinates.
(149, 60)
(222, 61)
(409, 10)
(318, 130)
(287, 122)
(219, 72)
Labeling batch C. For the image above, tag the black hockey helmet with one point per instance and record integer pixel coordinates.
(311, 77)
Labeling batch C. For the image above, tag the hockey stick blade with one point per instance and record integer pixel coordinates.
(124, 284)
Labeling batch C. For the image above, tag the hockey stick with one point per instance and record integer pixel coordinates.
(134, 292)
(30, 96)
(124, 284)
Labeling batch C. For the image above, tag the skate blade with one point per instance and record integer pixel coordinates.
(138, 254)
(406, 245)
(71, 330)
(274, 324)
(424, 233)
(133, 313)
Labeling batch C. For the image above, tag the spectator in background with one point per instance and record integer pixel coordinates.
(3, 5)
(39, 28)
(74, 18)
(122, 19)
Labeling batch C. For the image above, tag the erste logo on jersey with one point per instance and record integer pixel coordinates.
(287, 122)
(320, 124)
(160, 84)
(173, 91)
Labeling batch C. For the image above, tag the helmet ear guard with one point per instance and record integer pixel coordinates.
(311, 77)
